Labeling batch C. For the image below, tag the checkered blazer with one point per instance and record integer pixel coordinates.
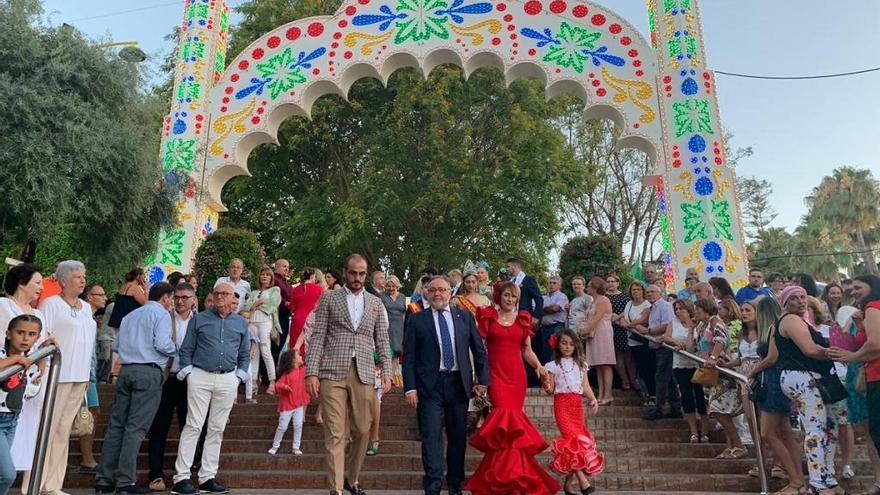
(334, 339)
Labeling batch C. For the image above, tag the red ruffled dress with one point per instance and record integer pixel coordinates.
(508, 439)
(291, 389)
(576, 450)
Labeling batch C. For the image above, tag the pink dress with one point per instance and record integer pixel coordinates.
(600, 348)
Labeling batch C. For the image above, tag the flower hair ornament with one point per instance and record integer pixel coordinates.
(553, 341)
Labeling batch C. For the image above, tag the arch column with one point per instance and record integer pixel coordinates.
(696, 189)
(201, 63)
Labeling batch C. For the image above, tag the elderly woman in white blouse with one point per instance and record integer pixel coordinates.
(69, 319)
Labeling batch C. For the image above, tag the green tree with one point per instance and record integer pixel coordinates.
(772, 251)
(593, 255)
(423, 172)
(78, 155)
(814, 244)
(757, 212)
(219, 249)
(849, 201)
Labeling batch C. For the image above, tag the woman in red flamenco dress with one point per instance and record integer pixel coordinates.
(574, 455)
(508, 439)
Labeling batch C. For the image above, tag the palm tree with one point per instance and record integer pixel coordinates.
(849, 200)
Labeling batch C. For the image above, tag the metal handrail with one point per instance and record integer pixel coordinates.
(739, 378)
(46, 414)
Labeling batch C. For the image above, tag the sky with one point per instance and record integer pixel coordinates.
(799, 130)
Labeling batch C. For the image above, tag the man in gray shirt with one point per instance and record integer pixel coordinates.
(144, 346)
(661, 316)
(213, 360)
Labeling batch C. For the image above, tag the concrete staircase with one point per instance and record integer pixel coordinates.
(641, 456)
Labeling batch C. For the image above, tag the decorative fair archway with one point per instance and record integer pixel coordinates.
(658, 93)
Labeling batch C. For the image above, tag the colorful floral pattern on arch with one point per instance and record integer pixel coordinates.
(659, 93)
(699, 203)
(567, 40)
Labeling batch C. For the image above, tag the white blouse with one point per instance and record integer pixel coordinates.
(567, 375)
(632, 313)
(75, 331)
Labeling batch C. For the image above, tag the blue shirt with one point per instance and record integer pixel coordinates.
(216, 345)
(145, 336)
(661, 315)
(685, 294)
(749, 293)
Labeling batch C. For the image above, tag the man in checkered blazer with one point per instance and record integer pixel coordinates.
(350, 325)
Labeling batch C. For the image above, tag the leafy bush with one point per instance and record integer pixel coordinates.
(596, 255)
(221, 247)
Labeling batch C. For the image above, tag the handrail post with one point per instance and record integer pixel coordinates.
(45, 424)
(753, 418)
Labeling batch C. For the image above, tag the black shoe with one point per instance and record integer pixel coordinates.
(455, 491)
(653, 415)
(354, 489)
(104, 489)
(211, 486)
(133, 488)
(183, 487)
(588, 490)
(674, 414)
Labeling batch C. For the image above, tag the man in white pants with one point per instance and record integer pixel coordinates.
(213, 360)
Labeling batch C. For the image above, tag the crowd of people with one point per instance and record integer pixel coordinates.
(462, 345)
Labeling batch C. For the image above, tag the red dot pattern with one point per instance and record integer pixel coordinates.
(273, 42)
(557, 6)
(315, 29)
(580, 11)
(293, 33)
(533, 7)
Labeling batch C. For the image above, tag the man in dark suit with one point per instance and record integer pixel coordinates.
(438, 381)
(530, 300)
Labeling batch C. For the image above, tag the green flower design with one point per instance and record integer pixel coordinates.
(277, 71)
(179, 153)
(692, 116)
(422, 24)
(569, 53)
(171, 247)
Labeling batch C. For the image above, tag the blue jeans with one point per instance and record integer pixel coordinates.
(8, 421)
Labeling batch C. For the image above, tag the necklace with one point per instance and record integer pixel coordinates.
(74, 308)
(506, 319)
(566, 372)
(24, 307)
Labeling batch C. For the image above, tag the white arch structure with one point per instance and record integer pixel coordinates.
(658, 93)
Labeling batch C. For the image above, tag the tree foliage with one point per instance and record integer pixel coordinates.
(616, 202)
(848, 201)
(220, 248)
(78, 146)
(593, 255)
(423, 172)
(757, 212)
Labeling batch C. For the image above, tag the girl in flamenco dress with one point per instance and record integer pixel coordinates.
(508, 439)
(574, 454)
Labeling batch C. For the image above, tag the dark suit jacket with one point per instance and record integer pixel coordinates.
(421, 352)
(530, 298)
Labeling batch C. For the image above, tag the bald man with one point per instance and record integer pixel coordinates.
(214, 359)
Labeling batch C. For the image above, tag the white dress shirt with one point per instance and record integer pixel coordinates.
(180, 327)
(447, 315)
(355, 306)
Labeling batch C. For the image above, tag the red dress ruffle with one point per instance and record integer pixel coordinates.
(576, 450)
(508, 438)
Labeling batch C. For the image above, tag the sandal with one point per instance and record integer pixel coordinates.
(724, 455)
(695, 438)
(704, 438)
(779, 473)
(738, 452)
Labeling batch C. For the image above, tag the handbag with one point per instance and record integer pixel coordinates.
(477, 414)
(83, 423)
(707, 377)
(838, 337)
(831, 389)
(758, 393)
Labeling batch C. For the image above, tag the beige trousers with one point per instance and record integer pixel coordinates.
(346, 405)
(68, 401)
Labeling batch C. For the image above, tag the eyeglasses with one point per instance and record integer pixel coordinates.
(182, 298)
(222, 294)
(97, 295)
(441, 290)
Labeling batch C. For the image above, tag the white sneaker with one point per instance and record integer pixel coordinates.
(848, 472)
(273, 451)
(297, 452)
(55, 492)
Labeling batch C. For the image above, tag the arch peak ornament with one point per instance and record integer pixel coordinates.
(573, 47)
